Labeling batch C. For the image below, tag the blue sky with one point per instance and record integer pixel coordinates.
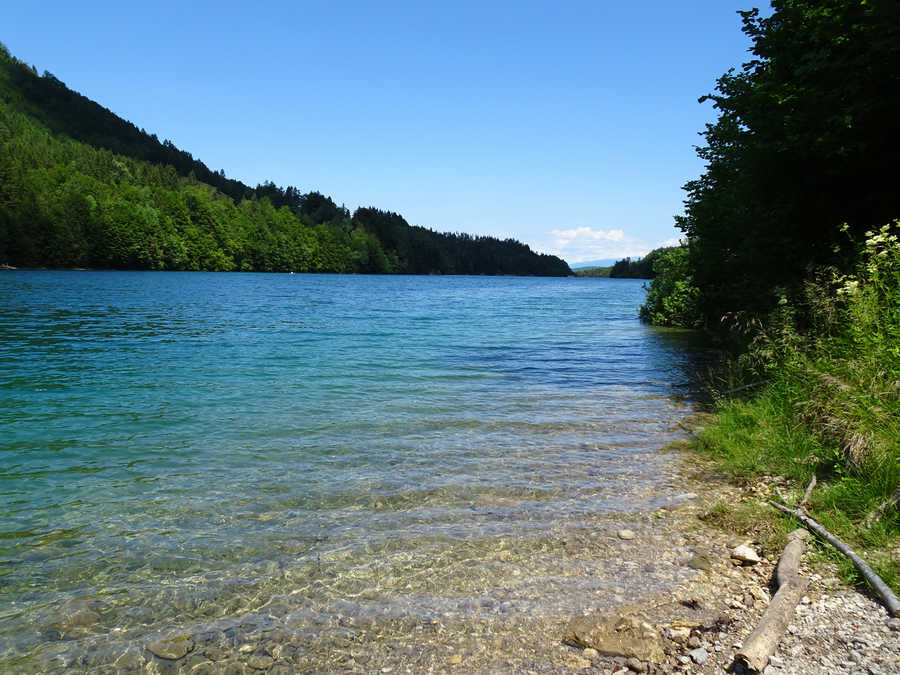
(567, 125)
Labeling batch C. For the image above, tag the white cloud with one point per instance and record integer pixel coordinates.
(585, 243)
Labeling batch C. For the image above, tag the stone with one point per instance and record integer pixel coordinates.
(130, 659)
(505, 556)
(624, 636)
(454, 659)
(894, 624)
(74, 619)
(260, 661)
(172, 649)
(636, 665)
(214, 653)
(576, 662)
(759, 594)
(745, 555)
(699, 656)
(694, 641)
(625, 534)
(679, 633)
(591, 653)
(699, 562)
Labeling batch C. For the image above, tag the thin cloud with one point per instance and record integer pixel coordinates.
(585, 243)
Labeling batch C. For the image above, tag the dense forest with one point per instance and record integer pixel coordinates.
(81, 187)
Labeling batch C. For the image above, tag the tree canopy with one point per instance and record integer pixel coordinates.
(807, 139)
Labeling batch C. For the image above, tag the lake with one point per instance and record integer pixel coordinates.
(323, 472)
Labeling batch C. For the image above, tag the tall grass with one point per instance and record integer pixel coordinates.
(830, 405)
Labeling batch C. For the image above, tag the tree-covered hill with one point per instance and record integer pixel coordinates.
(81, 187)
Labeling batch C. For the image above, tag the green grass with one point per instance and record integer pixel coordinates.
(767, 435)
(829, 406)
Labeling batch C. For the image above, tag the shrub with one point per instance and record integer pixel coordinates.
(672, 295)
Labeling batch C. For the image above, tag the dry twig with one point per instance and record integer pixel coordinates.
(806, 494)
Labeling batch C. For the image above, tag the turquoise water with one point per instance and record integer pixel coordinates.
(189, 450)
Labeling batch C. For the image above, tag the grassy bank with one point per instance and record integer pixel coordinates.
(820, 396)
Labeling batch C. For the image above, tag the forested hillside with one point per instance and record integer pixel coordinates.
(80, 187)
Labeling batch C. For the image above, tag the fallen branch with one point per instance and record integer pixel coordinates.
(890, 600)
(761, 643)
(809, 489)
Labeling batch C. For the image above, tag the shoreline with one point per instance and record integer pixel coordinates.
(702, 617)
(836, 629)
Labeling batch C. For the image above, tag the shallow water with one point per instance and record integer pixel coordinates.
(354, 459)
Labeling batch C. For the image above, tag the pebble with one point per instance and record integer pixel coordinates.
(172, 648)
(700, 562)
(745, 555)
(636, 665)
(576, 663)
(679, 633)
(699, 656)
(625, 534)
(260, 661)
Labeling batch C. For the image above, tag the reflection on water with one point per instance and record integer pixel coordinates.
(372, 459)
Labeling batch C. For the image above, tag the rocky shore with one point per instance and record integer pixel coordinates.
(700, 627)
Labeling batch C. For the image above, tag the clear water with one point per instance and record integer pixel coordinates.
(193, 452)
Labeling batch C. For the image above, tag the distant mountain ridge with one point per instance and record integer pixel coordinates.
(605, 262)
(82, 187)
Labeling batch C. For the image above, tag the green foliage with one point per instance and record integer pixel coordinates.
(80, 187)
(830, 405)
(639, 268)
(672, 295)
(807, 138)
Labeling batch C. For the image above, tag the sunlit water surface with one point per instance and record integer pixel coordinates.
(220, 454)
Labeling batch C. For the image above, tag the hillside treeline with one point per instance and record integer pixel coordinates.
(80, 187)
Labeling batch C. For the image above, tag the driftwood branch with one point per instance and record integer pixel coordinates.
(761, 643)
(809, 489)
(890, 600)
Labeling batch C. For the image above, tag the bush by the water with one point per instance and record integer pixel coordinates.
(829, 402)
(672, 295)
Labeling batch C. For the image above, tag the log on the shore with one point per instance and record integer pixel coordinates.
(764, 639)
